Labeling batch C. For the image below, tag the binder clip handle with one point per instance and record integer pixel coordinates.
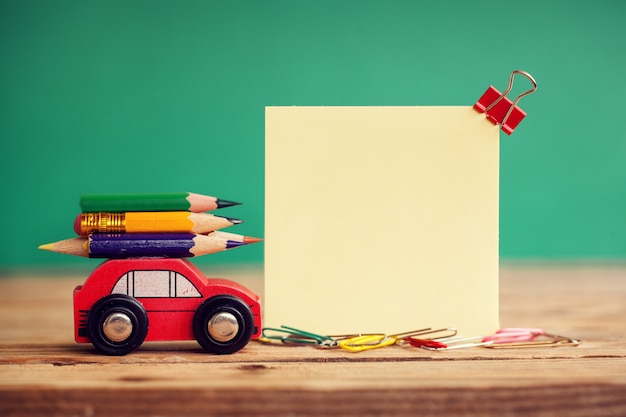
(508, 90)
(501, 110)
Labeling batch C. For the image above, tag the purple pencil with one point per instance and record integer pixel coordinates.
(128, 245)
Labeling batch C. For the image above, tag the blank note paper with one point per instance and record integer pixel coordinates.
(381, 219)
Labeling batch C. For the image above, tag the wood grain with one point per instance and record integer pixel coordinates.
(44, 373)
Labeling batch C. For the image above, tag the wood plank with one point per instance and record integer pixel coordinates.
(296, 389)
(42, 372)
(540, 387)
(538, 401)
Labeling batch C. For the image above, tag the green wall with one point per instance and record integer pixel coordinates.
(123, 96)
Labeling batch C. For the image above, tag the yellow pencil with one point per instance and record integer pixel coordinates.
(150, 222)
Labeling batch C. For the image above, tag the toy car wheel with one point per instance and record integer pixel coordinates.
(223, 324)
(117, 324)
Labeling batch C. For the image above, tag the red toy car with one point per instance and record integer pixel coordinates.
(127, 301)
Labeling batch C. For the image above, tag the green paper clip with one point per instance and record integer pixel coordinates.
(296, 336)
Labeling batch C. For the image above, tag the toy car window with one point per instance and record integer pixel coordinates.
(184, 288)
(121, 286)
(155, 284)
(151, 283)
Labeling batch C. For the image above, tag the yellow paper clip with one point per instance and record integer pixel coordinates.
(375, 340)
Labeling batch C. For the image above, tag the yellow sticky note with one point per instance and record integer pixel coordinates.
(381, 219)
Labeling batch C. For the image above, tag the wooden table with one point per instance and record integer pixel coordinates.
(44, 373)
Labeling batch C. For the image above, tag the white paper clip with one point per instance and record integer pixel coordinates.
(457, 342)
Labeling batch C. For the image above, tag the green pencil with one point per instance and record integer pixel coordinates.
(196, 203)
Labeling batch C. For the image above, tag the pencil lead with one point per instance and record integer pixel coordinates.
(47, 246)
(232, 219)
(233, 244)
(250, 239)
(225, 203)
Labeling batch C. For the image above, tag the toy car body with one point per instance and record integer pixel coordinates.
(127, 301)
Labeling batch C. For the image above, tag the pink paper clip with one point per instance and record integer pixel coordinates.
(499, 109)
(520, 337)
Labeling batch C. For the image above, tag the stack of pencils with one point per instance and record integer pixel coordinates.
(173, 225)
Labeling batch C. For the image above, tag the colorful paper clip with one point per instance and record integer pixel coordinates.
(457, 342)
(377, 340)
(431, 342)
(516, 337)
(290, 335)
(499, 109)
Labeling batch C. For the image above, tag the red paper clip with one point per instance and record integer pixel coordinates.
(426, 343)
(501, 110)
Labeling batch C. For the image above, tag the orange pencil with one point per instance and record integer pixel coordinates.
(150, 222)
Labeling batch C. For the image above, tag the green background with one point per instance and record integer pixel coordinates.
(126, 96)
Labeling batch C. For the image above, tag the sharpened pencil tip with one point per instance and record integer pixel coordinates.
(225, 203)
(47, 246)
(250, 239)
(232, 220)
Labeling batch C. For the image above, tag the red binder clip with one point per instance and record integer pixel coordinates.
(499, 109)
